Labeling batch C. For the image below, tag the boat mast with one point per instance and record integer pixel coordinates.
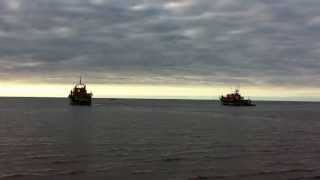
(237, 89)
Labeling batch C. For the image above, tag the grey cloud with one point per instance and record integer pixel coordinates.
(251, 42)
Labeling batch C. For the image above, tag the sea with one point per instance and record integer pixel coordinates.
(46, 138)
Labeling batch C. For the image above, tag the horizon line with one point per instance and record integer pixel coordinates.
(169, 98)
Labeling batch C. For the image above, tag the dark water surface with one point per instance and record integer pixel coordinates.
(158, 139)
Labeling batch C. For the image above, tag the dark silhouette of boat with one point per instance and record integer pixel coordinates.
(235, 99)
(79, 95)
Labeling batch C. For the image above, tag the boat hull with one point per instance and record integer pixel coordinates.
(80, 101)
(237, 103)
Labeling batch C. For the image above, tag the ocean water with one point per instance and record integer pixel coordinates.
(158, 139)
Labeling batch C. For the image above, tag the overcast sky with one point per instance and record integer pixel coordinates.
(179, 42)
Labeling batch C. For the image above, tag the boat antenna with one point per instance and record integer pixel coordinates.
(238, 88)
(80, 79)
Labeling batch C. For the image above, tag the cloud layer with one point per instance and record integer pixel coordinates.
(216, 42)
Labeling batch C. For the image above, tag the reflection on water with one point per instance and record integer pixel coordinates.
(149, 139)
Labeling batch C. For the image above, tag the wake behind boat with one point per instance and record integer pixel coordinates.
(79, 95)
(235, 99)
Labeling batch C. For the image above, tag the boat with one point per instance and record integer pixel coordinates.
(79, 95)
(235, 99)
